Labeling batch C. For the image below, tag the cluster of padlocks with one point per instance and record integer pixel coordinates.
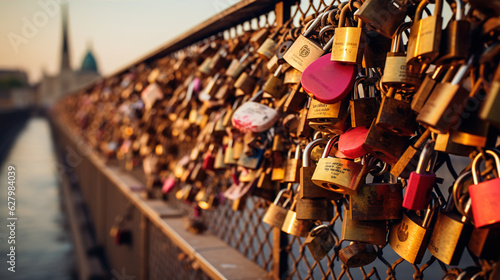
(304, 116)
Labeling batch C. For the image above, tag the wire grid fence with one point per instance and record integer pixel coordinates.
(245, 231)
(167, 261)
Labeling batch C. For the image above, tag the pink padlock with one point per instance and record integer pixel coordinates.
(328, 81)
(253, 116)
(351, 142)
(150, 94)
(168, 184)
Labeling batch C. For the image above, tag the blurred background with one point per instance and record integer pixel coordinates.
(48, 47)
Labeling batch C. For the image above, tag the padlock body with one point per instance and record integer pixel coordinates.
(358, 254)
(319, 111)
(489, 111)
(314, 209)
(418, 191)
(423, 92)
(372, 232)
(275, 215)
(396, 73)
(254, 117)
(381, 201)
(310, 190)
(444, 106)
(409, 239)
(302, 53)
(407, 163)
(267, 49)
(274, 86)
(320, 244)
(485, 203)
(348, 45)
(338, 175)
(382, 15)
(384, 145)
(363, 111)
(425, 39)
(294, 226)
(449, 238)
(483, 243)
(396, 116)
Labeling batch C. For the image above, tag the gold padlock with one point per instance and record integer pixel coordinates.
(348, 42)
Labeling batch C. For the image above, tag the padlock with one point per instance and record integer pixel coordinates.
(444, 144)
(268, 48)
(292, 76)
(328, 81)
(364, 109)
(446, 102)
(409, 237)
(396, 115)
(236, 67)
(409, 160)
(219, 159)
(246, 82)
(425, 36)
(384, 145)
(209, 158)
(304, 51)
(314, 209)
(274, 84)
(483, 243)
(372, 232)
(351, 142)
(169, 184)
(328, 117)
(150, 94)
(421, 182)
(377, 201)
(396, 72)
(384, 16)
(451, 231)
(485, 195)
(294, 226)
(320, 241)
(425, 89)
(296, 99)
(348, 42)
(488, 111)
(357, 254)
(253, 158)
(307, 188)
(292, 165)
(253, 116)
(338, 175)
(456, 38)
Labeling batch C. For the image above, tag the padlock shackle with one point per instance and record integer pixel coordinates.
(313, 25)
(458, 187)
(278, 196)
(356, 91)
(475, 164)
(425, 157)
(306, 156)
(343, 14)
(397, 41)
(430, 211)
(462, 71)
(329, 146)
(460, 12)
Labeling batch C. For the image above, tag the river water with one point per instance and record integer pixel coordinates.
(43, 248)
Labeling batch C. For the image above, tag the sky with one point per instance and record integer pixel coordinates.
(118, 31)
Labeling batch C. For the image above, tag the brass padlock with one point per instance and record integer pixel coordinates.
(357, 254)
(363, 109)
(409, 160)
(425, 36)
(396, 115)
(337, 174)
(314, 209)
(396, 72)
(329, 118)
(377, 201)
(274, 84)
(275, 214)
(294, 226)
(348, 42)
(409, 238)
(382, 15)
(320, 241)
(292, 165)
(307, 188)
(384, 145)
(372, 232)
(451, 231)
(446, 102)
(488, 111)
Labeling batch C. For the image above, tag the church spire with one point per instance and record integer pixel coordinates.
(65, 64)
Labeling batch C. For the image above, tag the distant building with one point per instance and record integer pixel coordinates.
(15, 91)
(51, 88)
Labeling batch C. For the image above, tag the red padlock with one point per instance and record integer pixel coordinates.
(485, 196)
(209, 158)
(168, 184)
(421, 182)
(351, 142)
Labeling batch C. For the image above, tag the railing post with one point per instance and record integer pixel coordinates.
(280, 257)
(282, 10)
